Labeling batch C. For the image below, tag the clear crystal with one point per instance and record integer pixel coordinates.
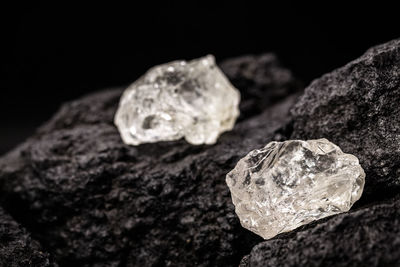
(191, 99)
(287, 184)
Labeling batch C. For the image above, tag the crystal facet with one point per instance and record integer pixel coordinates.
(287, 184)
(179, 99)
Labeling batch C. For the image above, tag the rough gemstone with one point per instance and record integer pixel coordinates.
(287, 184)
(191, 99)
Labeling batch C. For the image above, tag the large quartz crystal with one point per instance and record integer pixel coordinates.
(179, 99)
(287, 184)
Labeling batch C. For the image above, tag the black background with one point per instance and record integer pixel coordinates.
(57, 52)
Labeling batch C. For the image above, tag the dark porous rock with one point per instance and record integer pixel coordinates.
(94, 201)
(366, 237)
(17, 248)
(262, 81)
(357, 107)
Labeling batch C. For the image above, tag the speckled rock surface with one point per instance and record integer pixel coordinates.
(93, 201)
(262, 79)
(356, 107)
(17, 248)
(366, 237)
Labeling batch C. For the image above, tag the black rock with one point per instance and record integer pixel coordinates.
(17, 248)
(93, 201)
(262, 79)
(357, 107)
(367, 237)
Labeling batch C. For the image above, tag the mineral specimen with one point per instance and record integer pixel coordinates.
(94, 201)
(287, 184)
(357, 107)
(368, 236)
(179, 99)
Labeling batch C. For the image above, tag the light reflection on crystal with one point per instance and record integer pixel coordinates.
(287, 184)
(179, 99)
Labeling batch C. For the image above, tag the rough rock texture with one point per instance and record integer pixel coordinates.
(367, 237)
(93, 201)
(262, 81)
(356, 107)
(17, 248)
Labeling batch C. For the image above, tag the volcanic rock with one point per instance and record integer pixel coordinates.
(17, 248)
(94, 201)
(366, 237)
(262, 80)
(356, 107)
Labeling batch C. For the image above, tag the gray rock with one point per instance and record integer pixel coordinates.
(262, 80)
(357, 108)
(94, 201)
(17, 248)
(366, 237)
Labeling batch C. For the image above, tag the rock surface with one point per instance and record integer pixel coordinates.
(17, 248)
(356, 107)
(367, 237)
(262, 80)
(94, 201)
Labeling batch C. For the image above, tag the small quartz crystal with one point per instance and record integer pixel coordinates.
(191, 99)
(287, 184)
